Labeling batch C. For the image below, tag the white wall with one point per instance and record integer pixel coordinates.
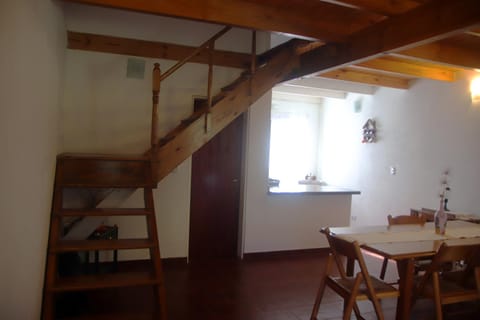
(421, 131)
(31, 63)
(282, 222)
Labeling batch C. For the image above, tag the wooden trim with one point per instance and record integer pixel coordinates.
(178, 261)
(153, 49)
(286, 254)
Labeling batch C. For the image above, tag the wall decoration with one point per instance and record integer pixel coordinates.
(369, 131)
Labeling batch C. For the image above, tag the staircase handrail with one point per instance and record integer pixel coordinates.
(194, 53)
(158, 77)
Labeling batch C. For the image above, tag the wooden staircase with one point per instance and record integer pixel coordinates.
(109, 171)
(234, 99)
(94, 171)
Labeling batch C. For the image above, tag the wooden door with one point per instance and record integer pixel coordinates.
(215, 194)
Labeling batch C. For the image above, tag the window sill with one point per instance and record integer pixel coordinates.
(311, 189)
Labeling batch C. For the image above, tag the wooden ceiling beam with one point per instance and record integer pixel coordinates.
(426, 23)
(444, 52)
(474, 32)
(409, 68)
(150, 49)
(319, 83)
(308, 18)
(386, 8)
(364, 77)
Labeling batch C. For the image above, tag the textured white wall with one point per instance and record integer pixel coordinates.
(31, 63)
(422, 131)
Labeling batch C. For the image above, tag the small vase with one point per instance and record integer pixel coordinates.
(440, 218)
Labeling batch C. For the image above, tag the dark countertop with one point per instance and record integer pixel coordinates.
(310, 189)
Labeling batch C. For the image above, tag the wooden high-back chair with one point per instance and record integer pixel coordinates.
(406, 219)
(447, 287)
(360, 287)
(419, 219)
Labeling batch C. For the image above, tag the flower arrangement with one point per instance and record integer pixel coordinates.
(445, 188)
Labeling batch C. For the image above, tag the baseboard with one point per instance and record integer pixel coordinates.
(286, 253)
(144, 263)
(179, 261)
(183, 261)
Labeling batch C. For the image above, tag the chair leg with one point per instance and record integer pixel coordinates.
(318, 300)
(356, 310)
(384, 268)
(378, 308)
(351, 302)
(477, 278)
(321, 290)
(436, 294)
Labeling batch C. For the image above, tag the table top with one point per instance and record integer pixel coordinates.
(408, 241)
(414, 249)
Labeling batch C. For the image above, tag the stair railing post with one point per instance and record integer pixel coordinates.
(211, 47)
(155, 92)
(253, 60)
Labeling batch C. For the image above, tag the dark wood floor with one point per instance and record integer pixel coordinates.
(271, 288)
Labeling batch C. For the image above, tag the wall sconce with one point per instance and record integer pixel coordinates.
(475, 89)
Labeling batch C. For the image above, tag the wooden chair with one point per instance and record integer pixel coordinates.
(406, 219)
(360, 287)
(419, 219)
(453, 286)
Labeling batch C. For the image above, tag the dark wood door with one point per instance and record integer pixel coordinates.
(215, 194)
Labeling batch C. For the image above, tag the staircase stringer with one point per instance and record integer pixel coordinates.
(170, 154)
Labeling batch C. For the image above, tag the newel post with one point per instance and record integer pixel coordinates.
(208, 115)
(155, 93)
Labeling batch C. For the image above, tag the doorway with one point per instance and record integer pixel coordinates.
(215, 194)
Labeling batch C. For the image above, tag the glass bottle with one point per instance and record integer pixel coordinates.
(440, 218)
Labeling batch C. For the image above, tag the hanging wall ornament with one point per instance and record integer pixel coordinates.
(369, 131)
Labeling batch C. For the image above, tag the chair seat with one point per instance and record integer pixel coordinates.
(381, 288)
(454, 288)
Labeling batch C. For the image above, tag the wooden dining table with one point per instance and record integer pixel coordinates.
(404, 244)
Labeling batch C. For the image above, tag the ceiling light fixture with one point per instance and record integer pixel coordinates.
(475, 89)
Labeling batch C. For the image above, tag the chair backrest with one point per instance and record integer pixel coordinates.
(449, 253)
(406, 219)
(468, 252)
(350, 250)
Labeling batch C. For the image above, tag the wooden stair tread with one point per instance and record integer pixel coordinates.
(104, 212)
(98, 156)
(115, 316)
(90, 245)
(106, 280)
(103, 172)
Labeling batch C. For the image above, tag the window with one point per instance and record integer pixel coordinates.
(294, 139)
